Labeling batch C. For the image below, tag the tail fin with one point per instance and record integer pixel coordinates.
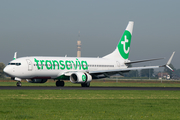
(123, 47)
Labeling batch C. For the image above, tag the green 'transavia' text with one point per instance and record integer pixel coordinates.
(61, 64)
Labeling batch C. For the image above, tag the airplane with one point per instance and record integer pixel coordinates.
(80, 70)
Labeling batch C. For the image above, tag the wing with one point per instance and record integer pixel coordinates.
(124, 69)
(108, 73)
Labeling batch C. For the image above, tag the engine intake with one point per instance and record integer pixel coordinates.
(80, 77)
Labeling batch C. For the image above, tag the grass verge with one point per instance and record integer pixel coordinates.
(89, 104)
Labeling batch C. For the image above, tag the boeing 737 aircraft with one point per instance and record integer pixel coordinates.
(82, 70)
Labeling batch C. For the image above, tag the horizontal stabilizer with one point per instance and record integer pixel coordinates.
(138, 61)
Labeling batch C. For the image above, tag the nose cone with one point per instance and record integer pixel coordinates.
(7, 70)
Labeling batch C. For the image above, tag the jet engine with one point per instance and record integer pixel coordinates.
(80, 77)
(37, 80)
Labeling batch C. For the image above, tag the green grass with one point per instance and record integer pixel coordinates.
(89, 105)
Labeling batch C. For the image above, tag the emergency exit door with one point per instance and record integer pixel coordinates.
(29, 65)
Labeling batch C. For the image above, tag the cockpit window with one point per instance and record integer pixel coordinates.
(11, 64)
(17, 64)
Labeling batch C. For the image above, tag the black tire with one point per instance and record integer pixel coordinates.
(88, 84)
(18, 84)
(85, 84)
(60, 83)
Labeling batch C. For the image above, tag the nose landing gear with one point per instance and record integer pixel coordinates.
(18, 84)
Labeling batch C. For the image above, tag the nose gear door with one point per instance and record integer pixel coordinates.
(29, 65)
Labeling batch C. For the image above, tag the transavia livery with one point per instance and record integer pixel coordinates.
(76, 69)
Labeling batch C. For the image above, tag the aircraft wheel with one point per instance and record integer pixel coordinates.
(85, 84)
(82, 84)
(18, 84)
(88, 84)
(60, 83)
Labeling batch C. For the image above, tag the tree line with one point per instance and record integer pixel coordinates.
(2, 66)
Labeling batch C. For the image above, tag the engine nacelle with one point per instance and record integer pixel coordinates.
(37, 80)
(80, 77)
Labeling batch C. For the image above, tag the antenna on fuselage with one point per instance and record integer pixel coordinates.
(15, 55)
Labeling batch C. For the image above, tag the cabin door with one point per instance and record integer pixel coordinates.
(118, 64)
(29, 64)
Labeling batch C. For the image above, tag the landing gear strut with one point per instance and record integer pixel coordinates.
(85, 84)
(60, 83)
(18, 84)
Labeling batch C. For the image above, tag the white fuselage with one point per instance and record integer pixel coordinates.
(77, 69)
(53, 67)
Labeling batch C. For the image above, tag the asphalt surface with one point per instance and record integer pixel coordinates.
(85, 88)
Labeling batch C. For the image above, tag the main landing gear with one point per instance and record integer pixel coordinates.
(60, 83)
(85, 84)
(18, 84)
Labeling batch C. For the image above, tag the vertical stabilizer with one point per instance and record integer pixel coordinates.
(123, 47)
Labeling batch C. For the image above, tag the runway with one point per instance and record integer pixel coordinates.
(85, 88)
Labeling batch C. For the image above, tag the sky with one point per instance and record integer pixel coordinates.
(50, 28)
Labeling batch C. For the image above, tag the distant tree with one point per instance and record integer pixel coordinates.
(147, 72)
(2, 66)
(132, 73)
(177, 72)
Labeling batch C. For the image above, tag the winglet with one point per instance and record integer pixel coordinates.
(15, 55)
(169, 62)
